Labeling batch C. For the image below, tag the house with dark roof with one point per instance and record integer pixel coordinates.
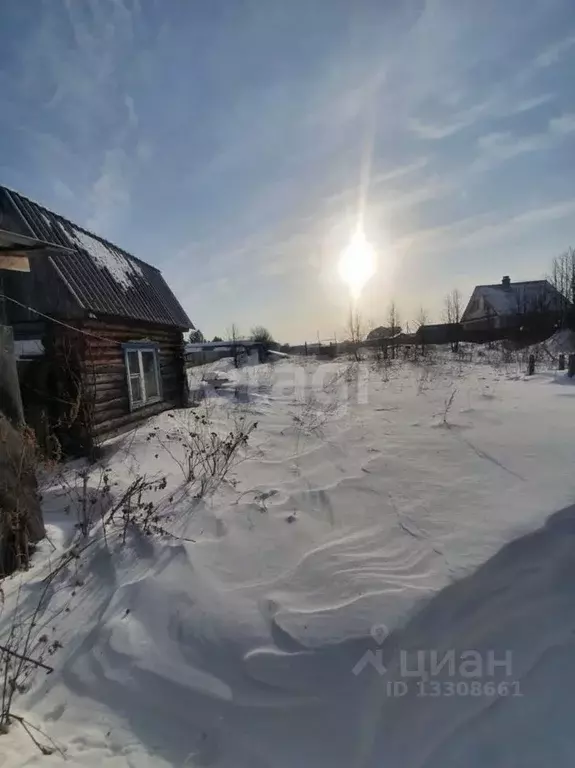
(98, 332)
(510, 305)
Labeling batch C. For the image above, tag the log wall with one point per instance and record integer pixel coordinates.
(105, 373)
(77, 393)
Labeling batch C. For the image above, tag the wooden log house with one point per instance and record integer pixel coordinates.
(98, 332)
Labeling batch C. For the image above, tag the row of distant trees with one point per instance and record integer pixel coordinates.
(562, 277)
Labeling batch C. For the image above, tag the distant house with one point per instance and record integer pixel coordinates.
(98, 331)
(509, 305)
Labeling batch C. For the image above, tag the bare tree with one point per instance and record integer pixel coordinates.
(394, 323)
(452, 311)
(452, 308)
(355, 332)
(422, 317)
(422, 320)
(233, 335)
(562, 278)
(393, 319)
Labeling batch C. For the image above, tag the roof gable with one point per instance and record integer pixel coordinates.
(527, 296)
(102, 278)
(517, 298)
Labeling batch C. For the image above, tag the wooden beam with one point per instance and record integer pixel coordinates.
(14, 239)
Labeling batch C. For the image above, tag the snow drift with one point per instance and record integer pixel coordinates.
(371, 515)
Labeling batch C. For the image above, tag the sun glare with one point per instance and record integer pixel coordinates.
(357, 263)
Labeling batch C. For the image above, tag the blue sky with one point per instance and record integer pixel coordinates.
(229, 142)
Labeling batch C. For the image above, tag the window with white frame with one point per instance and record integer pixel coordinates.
(143, 371)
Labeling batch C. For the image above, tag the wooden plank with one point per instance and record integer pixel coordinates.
(111, 410)
(169, 374)
(131, 419)
(118, 324)
(127, 335)
(105, 360)
(129, 332)
(115, 403)
(14, 262)
(102, 417)
(109, 350)
(103, 391)
(109, 355)
(104, 374)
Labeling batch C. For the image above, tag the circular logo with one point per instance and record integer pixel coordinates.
(379, 632)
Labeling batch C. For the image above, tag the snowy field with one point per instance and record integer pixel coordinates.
(278, 621)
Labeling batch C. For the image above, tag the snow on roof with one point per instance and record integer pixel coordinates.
(101, 277)
(122, 269)
(521, 297)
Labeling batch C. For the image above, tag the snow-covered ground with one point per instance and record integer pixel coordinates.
(365, 530)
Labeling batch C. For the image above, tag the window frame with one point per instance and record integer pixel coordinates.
(140, 348)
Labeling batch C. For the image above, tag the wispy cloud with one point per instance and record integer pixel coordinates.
(499, 146)
(528, 104)
(70, 73)
(563, 125)
(399, 172)
(516, 225)
(394, 203)
(350, 194)
(132, 115)
(433, 131)
(553, 53)
(109, 195)
(496, 147)
(62, 189)
(493, 108)
(483, 229)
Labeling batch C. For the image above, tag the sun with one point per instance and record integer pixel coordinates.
(357, 264)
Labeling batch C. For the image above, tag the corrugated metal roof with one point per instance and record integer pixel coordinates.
(103, 278)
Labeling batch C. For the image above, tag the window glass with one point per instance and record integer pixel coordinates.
(133, 364)
(150, 376)
(143, 375)
(135, 388)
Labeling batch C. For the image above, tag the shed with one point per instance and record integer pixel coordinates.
(100, 331)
